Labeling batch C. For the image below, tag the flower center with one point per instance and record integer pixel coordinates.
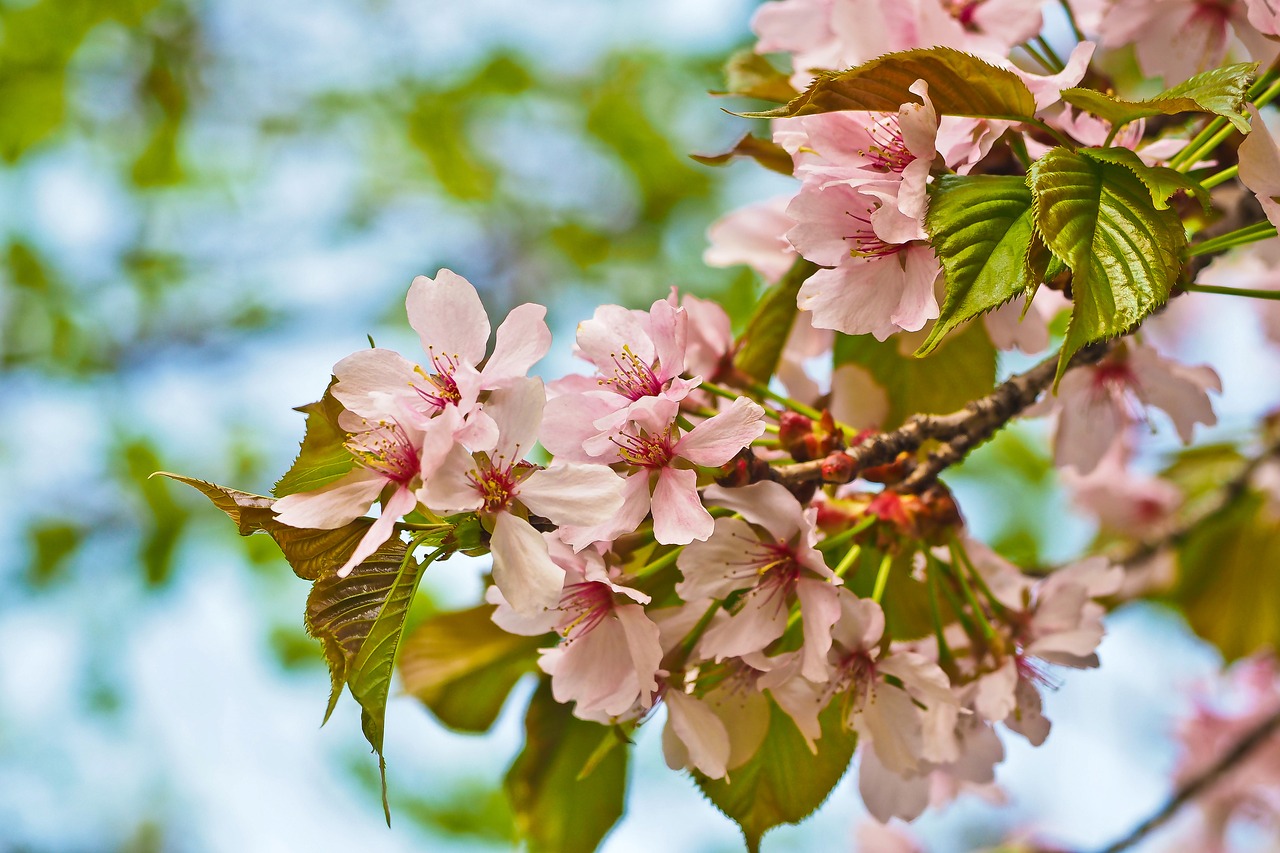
(496, 484)
(387, 449)
(864, 243)
(633, 378)
(442, 389)
(888, 151)
(585, 605)
(645, 449)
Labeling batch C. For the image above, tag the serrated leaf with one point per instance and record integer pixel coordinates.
(760, 345)
(751, 75)
(555, 810)
(462, 666)
(960, 369)
(1220, 91)
(323, 456)
(980, 227)
(1161, 181)
(783, 782)
(959, 85)
(358, 620)
(766, 152)
(311, 553)
(1124, 254)
(1228, 583)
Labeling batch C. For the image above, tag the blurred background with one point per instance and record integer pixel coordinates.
(205, 204)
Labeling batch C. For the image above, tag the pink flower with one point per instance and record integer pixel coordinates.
(388, 454)
(1013, 326)
(1123, 501)
(1260, 165)
(709, 346)
(451, 322)
(1176, 39)
(695, 736)
(776, 563)
(874, 285)
(652, 445)
(1097, 403)
(503, 488)
(754, 235)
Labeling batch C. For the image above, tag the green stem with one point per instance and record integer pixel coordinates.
(1234, 291)
(1240, 237)
(976, 606)
(845, 535)
(1038, 57)
(793, 405)
(1050, 53)
(882, 577)
(1018, 146)
(659, 564)
(1052, 131)
(846, 562)
(957, 548)
(1220, 178)
(935, 611)
(1071, 19)
(954, 603)
(1217, 131)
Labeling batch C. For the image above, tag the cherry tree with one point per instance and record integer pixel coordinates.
(753, 532)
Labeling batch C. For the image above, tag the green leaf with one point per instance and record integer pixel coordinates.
(980, 227)
(555, 810)
(753, 76)
(760, 346)
(462, 666)
(959, 85)
(960, 369)
(1161, 181)
(311, 553)
(323, 456)
(1124, 254)
(1229, 578)
(1220, 91)
(766, 152)
(783, 782)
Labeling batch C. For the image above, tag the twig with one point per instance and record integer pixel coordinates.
(962, 430)
(1193, 788)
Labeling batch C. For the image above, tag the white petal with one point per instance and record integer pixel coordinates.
(522, 568)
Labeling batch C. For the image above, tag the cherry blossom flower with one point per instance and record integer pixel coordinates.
(1260, 165)
(501, 487)
(1098, 402)
(1176, 39)
(388, 454)
(776, 571)
(652, 445)
(873, 285)
(451, 322)
(1123, 501)
(754, 235)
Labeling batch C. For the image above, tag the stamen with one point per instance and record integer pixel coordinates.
(633, 378)
(386, 448)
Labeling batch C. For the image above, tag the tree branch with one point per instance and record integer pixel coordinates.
(961, 431)
(1194, 787)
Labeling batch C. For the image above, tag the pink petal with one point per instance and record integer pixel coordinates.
(333, 505)
(568, 424)
(760, 620)
(517, 410)
(370, 381)
(635, 507)
(573, 493)
(710, 568)
(669, 329)
(819, 611)
(718, 439)
(448, 316)
(522, 568)
(402, 501)
(702, 739)
(768, 504)
(523, 339)
(887, 794)
(678, 514)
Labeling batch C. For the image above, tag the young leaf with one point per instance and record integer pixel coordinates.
(358, 621)
(760, 346)
(1220, 91)
(752, 76)
(980, 227)
(462, 666)
(311, 553)
(1161, 181)
(783, 782)
(959, 85)
(557, 809)
(323, 456)
(960, 369)
(1229, 579)
(1124, 254)
(766, 152)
